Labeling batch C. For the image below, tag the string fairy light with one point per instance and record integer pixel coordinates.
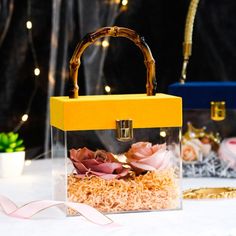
(107, 89)
(28, 162)
(105, 43)
(163, 133)
(124, 2)
(36, 70)
(25, 117)
(123, 6)
(29, 24)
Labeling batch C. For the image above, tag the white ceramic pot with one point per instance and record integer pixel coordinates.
(11, 164)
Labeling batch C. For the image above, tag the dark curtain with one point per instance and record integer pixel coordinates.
(17, 81)
(58, 25)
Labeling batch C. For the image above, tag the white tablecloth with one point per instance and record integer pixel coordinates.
(212, 217)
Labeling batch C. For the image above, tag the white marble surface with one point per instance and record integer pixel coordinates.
(210, 218)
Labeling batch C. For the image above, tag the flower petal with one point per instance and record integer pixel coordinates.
(73, 153)
(106, 176)
(142, 166)
(80, 154)
(108, 168)
(115, 176)
(80, 168)
(90, 162)
(158, 147)
(156, 159)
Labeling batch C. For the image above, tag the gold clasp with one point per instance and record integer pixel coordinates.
(218, 110)
(124, 130)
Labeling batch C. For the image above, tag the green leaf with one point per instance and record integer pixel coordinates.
(9, 150)
(4, 140)
(12, 145)
(12, 137)
(19, 149)
(9, 142)
(10, 134)
(19, 142)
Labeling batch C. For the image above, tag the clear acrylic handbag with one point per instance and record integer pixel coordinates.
(137, 166)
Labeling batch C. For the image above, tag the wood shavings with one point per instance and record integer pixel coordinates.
(155, 190)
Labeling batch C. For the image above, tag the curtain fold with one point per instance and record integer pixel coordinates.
(71, 20)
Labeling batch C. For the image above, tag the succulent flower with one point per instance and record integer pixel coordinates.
(10, 142)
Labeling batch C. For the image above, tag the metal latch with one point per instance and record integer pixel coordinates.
(124, 129)
(218, 110)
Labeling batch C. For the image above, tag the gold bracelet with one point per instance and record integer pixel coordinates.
(210, 193)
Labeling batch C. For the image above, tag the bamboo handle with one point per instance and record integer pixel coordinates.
(113, 32)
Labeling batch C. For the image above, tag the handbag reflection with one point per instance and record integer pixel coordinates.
(209, 128)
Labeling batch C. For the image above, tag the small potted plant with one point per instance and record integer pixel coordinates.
(12, 155)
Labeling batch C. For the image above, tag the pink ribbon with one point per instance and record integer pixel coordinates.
(28, 210)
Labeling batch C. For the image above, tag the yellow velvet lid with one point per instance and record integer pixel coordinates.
(100, 112)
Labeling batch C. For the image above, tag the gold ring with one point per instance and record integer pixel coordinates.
(210, 193)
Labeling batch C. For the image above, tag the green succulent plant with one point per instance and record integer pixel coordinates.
(10, 142)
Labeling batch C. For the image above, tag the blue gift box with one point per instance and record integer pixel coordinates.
(198, 95)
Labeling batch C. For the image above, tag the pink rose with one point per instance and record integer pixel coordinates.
(142, 156)
(191, 150)
(195, 150)
(227, 152)
(99, 163)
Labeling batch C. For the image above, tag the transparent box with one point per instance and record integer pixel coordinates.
(209, 128)
(124, 166)
(117, 153)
